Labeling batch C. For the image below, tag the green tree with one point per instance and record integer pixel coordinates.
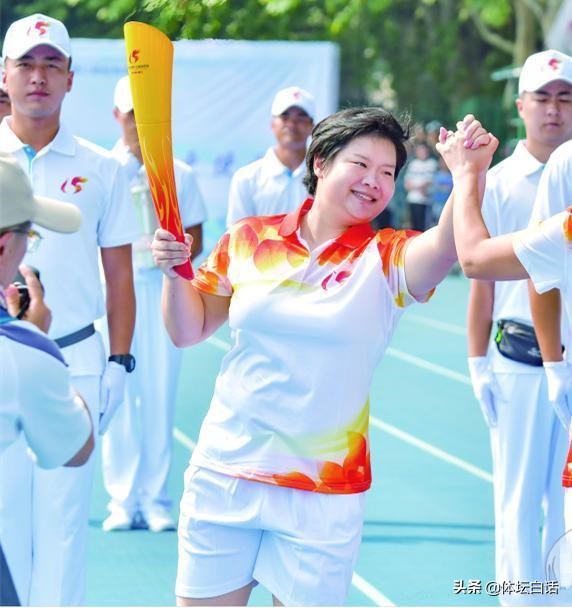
(425, 56)
(517, 28)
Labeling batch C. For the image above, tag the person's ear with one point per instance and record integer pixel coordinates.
(318, 167)
(70, 81)
(518, 104)
(4, 241)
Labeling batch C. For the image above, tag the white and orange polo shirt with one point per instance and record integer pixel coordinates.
(290, 405)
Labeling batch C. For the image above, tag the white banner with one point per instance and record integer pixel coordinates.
(222, 93)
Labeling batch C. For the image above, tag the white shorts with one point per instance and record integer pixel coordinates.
(302, 546)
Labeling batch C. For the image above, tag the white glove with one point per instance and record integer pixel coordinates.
(484, 386)
(559, 378)
(112, 393)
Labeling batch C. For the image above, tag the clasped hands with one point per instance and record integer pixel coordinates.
(469, 149)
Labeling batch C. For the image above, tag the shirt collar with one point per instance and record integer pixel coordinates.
(353, 237)
(121, 152)
(275, 167)
(63, 142)
(527, 163)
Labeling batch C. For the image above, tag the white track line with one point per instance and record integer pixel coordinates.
(427, 365)
(184, 439)
(458, 330)
(371, 592)
(430, 449)
(221, 344)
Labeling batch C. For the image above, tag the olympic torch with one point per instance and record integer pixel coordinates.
(150, 65)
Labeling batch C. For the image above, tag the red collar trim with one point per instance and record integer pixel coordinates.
(291, 221)
(353, 237)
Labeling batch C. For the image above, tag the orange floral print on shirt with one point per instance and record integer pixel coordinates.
(335, 478)
(568, 225)
(245, 242)
(213, 278)
(271, 253)
(291, 309)
(392, 255)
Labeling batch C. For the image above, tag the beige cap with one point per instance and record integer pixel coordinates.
(32, 31)
(18, 204)
(544, 67)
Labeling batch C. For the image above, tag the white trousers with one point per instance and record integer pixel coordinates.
(137, 448)
(529, 449)
(44, 519)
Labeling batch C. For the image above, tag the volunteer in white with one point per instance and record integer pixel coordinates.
(137, 449)
(528, 443)
(274, 183)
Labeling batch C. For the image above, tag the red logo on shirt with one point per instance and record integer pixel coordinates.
(75, 183)
(335, 277)
(134, 56)
(40, 28)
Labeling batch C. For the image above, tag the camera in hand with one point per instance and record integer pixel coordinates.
(20, 284)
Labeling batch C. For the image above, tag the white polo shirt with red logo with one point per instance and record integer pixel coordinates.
(265, 187)
(76, 171)
(291, 405)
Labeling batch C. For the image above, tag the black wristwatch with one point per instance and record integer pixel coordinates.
(128, 361)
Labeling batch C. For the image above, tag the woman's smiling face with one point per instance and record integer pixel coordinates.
(359, 182)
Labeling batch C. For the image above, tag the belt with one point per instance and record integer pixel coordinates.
(76, 336)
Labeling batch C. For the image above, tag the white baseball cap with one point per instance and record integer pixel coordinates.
(18, 204)
(122, 97)
(293, 96)
(32, 31)
(544, 67)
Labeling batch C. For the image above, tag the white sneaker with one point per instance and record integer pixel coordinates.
(159, 520)
(117, 520)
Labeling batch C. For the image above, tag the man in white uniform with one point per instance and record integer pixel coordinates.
(528, 443)
(137, 448)
(273, 184)
(45, 537)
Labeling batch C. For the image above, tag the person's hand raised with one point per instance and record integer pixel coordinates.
(470, 148)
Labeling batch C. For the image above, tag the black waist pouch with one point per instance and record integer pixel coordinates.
(517, 341)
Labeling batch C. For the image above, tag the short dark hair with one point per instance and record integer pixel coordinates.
(336, 131)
